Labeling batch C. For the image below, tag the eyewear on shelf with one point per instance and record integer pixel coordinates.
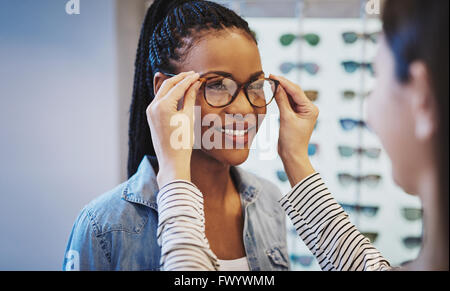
(372, 236)
(220, 91)
(370, 180)
(369, 211)
(282, 176)
(305, 261)
(347, 151)
(412, 242)
(348, 124)
(311, 68)
(350, 94)
(412, 214)
(313, 148)
(351, 37)
(311, 38)
(352, 66)
(312, 95)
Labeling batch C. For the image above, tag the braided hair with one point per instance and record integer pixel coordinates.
(164, 42)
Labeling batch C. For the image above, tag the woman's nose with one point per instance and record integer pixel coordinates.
(240, 105)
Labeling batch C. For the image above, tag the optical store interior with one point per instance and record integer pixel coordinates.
(64, 126)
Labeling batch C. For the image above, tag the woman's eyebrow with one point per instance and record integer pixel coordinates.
(226, 74)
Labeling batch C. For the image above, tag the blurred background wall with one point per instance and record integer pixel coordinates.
(64, 98)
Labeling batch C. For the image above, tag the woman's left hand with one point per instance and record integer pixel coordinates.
(298, 116)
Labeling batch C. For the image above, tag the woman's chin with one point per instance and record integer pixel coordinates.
(232, 157)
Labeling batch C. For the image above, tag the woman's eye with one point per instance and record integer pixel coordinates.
(257, 86)
(216, 86)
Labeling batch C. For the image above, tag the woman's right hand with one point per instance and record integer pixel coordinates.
(174, 162)
(298, 117)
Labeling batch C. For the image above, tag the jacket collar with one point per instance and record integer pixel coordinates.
(142, 187)
(247, 184)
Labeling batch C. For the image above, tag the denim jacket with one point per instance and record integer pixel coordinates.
(117, 231)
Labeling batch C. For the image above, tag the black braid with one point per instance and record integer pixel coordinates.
(162, 44)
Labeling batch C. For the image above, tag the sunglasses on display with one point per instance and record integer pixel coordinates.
(370, 180)
(282, 176)
(348, 124)
(347, 151)
(352, 37)
(311, 68)
(412, 242)
(412, 214)
(372, 236)
(351, 66)
(313, 148)
(305, 261)
(369, 211)
(220, 91)
(311, 38)
(312, 95)
(350, 94)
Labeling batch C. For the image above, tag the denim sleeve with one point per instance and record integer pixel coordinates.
(84, 250)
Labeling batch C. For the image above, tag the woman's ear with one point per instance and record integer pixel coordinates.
(423, 101)
(158, 79)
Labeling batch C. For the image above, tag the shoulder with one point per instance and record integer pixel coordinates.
(112, 212)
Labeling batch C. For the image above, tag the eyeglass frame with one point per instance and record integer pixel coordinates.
(238, 89)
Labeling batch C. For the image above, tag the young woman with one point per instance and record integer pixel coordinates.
(409, 112)
(243, 223)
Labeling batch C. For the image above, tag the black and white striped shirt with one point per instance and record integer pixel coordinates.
(181, 229)
(327, 231)
(318, 219)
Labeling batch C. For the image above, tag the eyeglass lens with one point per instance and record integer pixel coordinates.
(220, 91)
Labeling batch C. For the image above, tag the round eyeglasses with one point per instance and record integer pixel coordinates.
(220, 91)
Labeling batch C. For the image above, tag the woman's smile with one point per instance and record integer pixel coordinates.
(237, 133)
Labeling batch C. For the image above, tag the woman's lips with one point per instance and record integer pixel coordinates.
(237, 136)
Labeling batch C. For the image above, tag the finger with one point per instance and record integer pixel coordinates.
(190, 96)
(179, 90)
(168, 84)
(282, 100)
(294, 91)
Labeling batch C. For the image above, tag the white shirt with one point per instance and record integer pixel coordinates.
(240, 264)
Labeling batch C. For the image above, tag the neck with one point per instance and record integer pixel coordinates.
(211, 176)
(435, 248)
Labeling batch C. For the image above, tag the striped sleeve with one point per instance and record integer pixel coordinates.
(181, 229)
(327, 231)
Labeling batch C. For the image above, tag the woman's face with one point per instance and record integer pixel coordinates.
(230, 53)
(392, 116)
